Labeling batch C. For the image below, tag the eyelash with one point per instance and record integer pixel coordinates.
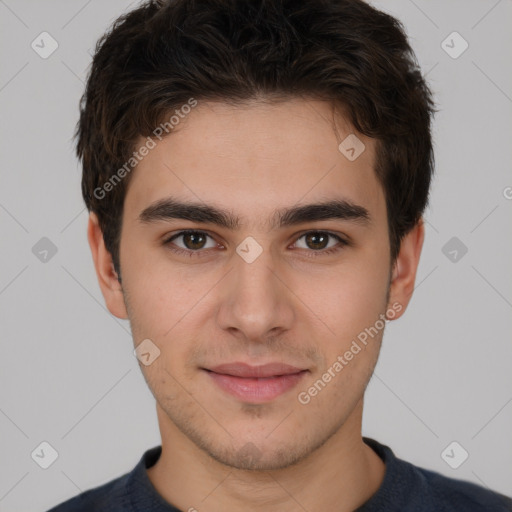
(198, 253)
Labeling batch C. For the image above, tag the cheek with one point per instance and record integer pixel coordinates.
(160, 306)
(350, 299)
(171, 309)
(159, 293)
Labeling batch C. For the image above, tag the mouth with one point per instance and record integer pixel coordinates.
(256, 384)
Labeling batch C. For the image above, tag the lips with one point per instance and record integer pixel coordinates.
(256, 384)
(263, 371)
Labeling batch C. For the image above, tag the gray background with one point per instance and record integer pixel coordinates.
(68, 375)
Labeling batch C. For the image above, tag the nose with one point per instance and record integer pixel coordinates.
(255, 302)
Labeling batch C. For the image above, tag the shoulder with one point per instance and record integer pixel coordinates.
(129, 492)
(108, 497)
(450, 494)
(410, 488)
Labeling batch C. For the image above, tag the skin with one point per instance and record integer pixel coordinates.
(219, 453)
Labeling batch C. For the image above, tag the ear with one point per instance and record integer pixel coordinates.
(404, 268)
(107, 277)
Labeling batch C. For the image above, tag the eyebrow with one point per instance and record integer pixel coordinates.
(170, 208)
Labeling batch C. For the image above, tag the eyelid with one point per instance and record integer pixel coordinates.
(342, 240)
(177, 234)
(338, 236)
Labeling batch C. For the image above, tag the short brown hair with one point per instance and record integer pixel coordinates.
(157, 57)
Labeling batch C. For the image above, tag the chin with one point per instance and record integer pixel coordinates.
(250, 457)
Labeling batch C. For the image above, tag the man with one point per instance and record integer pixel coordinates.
(256, 173)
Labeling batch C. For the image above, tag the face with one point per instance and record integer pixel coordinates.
(251, 276)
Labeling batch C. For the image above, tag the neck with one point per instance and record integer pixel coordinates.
(340, 476)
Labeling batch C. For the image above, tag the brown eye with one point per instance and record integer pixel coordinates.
(191, 241)
(194, 240)
(320, 241)
(317, 240)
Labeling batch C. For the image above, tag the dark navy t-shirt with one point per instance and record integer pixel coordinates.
(405, 488)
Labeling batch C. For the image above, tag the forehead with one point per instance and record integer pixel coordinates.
(257, 158)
